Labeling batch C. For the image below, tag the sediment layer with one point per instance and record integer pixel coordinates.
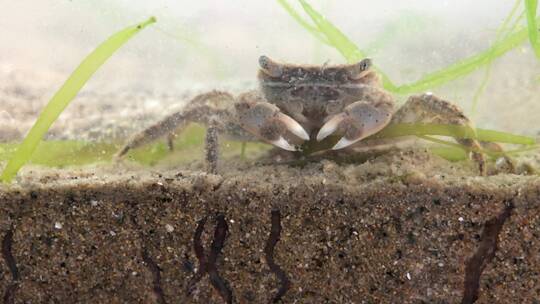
(322, 233)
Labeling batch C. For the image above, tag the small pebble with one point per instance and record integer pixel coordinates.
(58, 225)
(169, 228)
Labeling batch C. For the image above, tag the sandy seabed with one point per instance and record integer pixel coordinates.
(405, 226)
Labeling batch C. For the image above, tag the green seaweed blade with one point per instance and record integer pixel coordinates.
(65, 95)
(336, 38)
(465, 66)
(407, 129)
(532, 25)
(314, 31)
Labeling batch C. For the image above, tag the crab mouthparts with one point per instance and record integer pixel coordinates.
(312, 146)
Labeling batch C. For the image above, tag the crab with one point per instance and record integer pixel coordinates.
(296, 106)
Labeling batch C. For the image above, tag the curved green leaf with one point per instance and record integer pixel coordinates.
(65, 95)
(418, 129)
(532, 25)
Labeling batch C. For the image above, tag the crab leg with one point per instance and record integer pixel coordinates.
(429, 108)
(199, 110)
(267, 122)
(357, 121)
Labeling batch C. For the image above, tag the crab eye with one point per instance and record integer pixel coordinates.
(364, 64)
(359, 70)
(270, 67)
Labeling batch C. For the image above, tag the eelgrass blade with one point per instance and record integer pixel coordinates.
(351, 52)
(462, 147)
(532, 25)
(449, 153)
(454, 152)
(66, 93)
(465, 66)
(340, 42)
(503, 137)
(310, 28)
(503, 30)
(419, 129)
(346, 47)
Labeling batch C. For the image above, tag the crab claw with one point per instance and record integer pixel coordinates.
(283, 144)
(358, 121)
(267, 122)
(331, 126)
(291, 125)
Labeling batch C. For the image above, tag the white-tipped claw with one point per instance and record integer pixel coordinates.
(294, 127)
(343, 143)
(330, 126)
(283, 144)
